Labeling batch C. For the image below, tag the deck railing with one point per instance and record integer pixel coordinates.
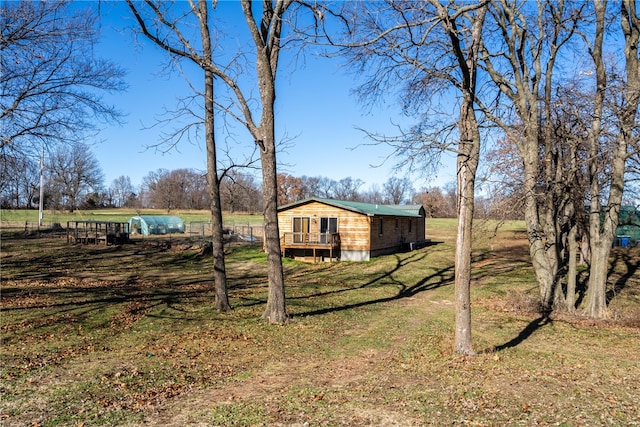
(312, 239)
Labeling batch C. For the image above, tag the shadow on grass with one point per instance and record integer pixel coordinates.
(629, 258)
(529, 330)
(439, 278)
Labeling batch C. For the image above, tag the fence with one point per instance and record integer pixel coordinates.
(31, 226)
(253, 233)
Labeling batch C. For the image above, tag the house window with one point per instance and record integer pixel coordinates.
(380, 227)
(410, 222)
(300, 229)
(328, 225)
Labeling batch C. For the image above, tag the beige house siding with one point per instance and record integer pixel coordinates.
(353, 227)
(360, 237)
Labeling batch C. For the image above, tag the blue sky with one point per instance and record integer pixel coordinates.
(314, 109)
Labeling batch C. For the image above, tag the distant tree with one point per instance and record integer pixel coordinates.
(290, 189)
(51, 80)
(398, 190)
(310, 186)
(239, 192)
(176, 189)
(373, 195)
(326, 188)
(73, 173)
(19, 181)
(347, 189)
(121, 190)
(94, 200)
(156, 195)
(437, 202)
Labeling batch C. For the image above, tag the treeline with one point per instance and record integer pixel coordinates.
(73, 180)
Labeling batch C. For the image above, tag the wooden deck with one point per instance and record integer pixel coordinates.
(311, 241)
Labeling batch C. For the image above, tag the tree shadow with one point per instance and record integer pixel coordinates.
(529, 330)
(628, 258)
(441, 277)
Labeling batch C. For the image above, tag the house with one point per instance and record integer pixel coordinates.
(350, 231)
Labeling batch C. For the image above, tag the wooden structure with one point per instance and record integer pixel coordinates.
(97, 232)
(329, 229)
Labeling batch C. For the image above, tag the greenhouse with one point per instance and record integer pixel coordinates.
(156, 224)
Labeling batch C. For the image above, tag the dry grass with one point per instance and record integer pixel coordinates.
(127, 336)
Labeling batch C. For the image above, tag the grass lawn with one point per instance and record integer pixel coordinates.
(20, 216)
(127, 336)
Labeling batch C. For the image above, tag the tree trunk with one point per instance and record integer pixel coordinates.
(466, 55)
(467, 162)
(275, 312)
(572, 269)
(217, 243)
(596, 301)
(603, 230)
(541, 252)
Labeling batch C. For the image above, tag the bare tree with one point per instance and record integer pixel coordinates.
(19, 181)
(438, 202)
(121, 190)
(521, 61)
(310, 186)
(602, 230)
(289, 189)
(347, 189)
(397, 190)
(327, 187)
(51, 81)
(373, 195)
(176, 189)
(239, 192)
(168, 26)
(265, 32)
(73, 172)
(434, 47)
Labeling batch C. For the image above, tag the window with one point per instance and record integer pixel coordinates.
(410, 222)
(328, 225)
(380, 227)
(300, 229)
(397, 223)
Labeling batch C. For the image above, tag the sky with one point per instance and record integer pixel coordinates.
(315, 112)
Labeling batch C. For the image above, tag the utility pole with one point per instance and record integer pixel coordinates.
(41, 204)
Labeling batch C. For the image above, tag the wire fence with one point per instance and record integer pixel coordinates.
(250, 233)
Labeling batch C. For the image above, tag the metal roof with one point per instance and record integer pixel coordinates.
(370, 209)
